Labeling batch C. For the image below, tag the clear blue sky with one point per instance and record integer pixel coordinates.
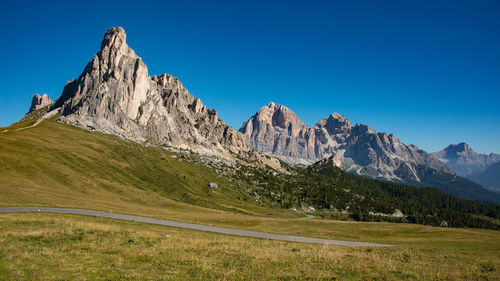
(427, 71)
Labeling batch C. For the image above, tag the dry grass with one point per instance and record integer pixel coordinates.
(62, 166)
(61, 247)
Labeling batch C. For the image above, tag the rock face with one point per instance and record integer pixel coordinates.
(115, 95)
(39, 101)
(464, 161)
(489, 178)
(277, 131)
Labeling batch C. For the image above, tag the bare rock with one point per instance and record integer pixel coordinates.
(464, 161)
(116, 95)
(278, 131)
(39, 101)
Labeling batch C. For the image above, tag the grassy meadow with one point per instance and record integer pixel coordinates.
(61, 247)
(57, 165)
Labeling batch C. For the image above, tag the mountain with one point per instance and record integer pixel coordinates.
(278, 131)
(115, 95)
(58, 165)
(52, 161)
(464, 161)
(490, 178)
(39, 101)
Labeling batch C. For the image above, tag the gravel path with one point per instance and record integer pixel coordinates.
(23, 128)
(224, 230)
(46, 116)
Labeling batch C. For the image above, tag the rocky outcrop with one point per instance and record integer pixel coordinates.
(461, 159)
(277, 131)
(39, 102)
(115, 95)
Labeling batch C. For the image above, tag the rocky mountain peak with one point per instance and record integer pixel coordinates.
(115, 95)
(363, 129)
(39, 101)
(335, 124)
(114, 36)
(464, 161)
(278, 115)
(337, 116)
(461, 148)
(276, 130)
(273, 105)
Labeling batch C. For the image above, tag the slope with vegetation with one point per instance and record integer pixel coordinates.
(58, 165)
(61, 165)
(358, 149)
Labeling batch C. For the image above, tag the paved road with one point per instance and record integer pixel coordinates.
(224, 230)
(307, 217)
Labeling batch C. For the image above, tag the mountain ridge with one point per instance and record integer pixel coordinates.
(464, 161)
(490, 177)
(115, 95)
(277, 131)
(356, 148)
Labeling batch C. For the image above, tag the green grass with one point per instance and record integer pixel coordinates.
(59, 165)
(55, 164)
(61, 247)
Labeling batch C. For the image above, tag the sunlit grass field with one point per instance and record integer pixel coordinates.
(58, 165)
(61, 247)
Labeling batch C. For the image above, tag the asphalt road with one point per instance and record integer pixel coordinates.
(307, 217)
(224, 230)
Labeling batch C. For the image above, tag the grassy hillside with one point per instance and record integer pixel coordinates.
(328, 185)
(57, 165)
(60, 165)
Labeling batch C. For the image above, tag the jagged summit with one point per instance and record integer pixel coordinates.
(39, 101)
(456, 149)
(114, 94)
(114, 35)
(334, 124)
(278, 131)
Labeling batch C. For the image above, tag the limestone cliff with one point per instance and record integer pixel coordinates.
(39, 101)
(277, 131)
(116, 95)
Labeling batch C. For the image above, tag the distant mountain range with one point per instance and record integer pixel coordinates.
(464, 161)
(482, 168)
(276, 130)
(115, 95)
(490, 178)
